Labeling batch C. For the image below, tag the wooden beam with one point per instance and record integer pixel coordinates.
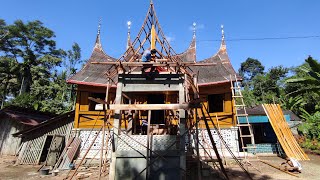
(283, 132)
(93, 113)
(140, 64)
(278, 168)
(126, 96)
(144, 106)
(153, 37)
(150, 87)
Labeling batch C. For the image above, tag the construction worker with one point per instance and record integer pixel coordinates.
(153, 54)
(148, 56)
(144, 127)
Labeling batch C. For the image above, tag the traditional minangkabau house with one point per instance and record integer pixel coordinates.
(117, 96)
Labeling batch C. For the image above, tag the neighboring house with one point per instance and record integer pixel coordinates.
(44, 142)
(14, 119)
(264, 135)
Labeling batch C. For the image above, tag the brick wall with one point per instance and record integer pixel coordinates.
(266, 148)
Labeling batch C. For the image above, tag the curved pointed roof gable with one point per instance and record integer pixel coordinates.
(189, 55)
(219, 73)
(93, 74)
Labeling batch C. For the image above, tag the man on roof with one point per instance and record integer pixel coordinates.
(148, 55)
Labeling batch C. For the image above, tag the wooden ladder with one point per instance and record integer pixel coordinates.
(245, 128)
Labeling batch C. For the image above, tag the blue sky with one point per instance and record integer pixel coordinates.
(77, 21)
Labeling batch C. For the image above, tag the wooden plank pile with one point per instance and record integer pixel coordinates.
(283, 132)
(68, 153)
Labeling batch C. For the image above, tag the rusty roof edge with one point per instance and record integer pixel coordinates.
(42, 124)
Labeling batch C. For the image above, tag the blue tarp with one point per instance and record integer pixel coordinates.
(260, 119)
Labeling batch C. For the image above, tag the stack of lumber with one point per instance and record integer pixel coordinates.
(283, 132)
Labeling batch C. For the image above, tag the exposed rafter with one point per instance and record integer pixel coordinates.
(149, 36)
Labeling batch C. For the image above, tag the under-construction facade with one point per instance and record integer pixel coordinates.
(157, 119)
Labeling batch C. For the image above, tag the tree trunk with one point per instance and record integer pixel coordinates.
(4, 94)
(26, 81)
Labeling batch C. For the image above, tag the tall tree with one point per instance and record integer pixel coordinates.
(250, 68)
(9, 73)
(31, 44)
(3, 34)
(73, 59)
(267, 88)
(71, 63)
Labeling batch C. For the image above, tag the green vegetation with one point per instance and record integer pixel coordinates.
(260, 86)
(33, 71)
(299, 92)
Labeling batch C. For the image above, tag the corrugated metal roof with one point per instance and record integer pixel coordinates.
(25, 116)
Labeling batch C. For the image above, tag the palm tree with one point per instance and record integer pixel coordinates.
(311, 79)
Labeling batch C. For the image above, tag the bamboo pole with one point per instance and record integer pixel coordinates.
(103, 131)
(283, 132)
(197, 145)
(280, 136)
(214, 146)
(295, 144)
(279, 168)
(148, 145)
(94, 139)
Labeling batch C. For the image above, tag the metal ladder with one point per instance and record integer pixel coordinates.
(245, 128)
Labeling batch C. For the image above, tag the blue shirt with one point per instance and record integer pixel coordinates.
(146, 56)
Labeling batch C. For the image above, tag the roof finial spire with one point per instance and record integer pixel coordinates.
(99, 26)
(223, 46)
(128, 38)
(151, 1)
(194, 29)
(222, 32)
(98, 42)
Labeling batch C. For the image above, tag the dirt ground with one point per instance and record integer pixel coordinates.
(310, 171)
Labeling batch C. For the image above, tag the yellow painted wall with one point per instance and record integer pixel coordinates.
(226, 118)
(85, 118)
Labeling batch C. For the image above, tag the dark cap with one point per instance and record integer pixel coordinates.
(153, 51)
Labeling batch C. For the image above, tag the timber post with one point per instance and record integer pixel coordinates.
(116, 130)
(182, 130)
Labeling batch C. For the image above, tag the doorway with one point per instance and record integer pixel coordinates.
(45, 149)
(157, 116)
